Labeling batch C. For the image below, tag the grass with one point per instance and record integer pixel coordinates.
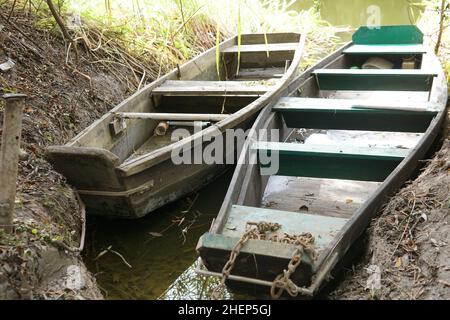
(429, 23)
(151, 37)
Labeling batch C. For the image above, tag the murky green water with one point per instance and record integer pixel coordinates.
(160, 249)
(355, 13)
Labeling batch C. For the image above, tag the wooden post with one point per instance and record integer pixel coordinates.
(9, 157)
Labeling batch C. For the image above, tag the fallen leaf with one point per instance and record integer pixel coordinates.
(398, 263)
(374, 280)
(155, 234)
(349, 201)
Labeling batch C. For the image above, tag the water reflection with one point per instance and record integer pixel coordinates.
(159, 248)
(191, 286)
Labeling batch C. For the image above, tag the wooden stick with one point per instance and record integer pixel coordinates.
(174, 116)
(441, 27)
(9, 157)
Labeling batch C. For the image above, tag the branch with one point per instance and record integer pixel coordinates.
(59, 21)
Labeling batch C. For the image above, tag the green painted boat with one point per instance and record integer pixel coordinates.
(347, 138)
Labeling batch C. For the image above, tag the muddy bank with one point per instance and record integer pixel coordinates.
(41, 260)
(408, 255)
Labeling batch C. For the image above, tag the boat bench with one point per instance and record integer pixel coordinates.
(332, 162)
(211, 88)
(348, 114)
(256, 48)
(374, 80)
(386, 49)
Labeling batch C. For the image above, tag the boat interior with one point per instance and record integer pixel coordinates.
(347, 128)
(193, 96)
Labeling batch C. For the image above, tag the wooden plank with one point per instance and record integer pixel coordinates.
(333, 162)
(259, 38)
(270, 47)
(374, 80)
(174, 116)
(348, 114)
(406, 34)
(326, 197)
(261, 73)
(407, 49)
(9, 157)
(323, 228)
(208, 88)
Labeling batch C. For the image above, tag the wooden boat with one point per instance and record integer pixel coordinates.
(121, 164)
(317, 205)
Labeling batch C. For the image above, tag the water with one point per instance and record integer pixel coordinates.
(159, 248)
(161, 265)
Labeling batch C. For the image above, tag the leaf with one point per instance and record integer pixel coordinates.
(349, 201)
(155, 234)
(398, 263)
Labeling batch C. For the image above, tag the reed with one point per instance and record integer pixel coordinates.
(151, 37)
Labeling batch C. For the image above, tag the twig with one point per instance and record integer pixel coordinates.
(109, 249)
(142, 81)
(121, 257)
(406, 227)
(445, 283)
(12, 24)
(441, 27)
(11, 11)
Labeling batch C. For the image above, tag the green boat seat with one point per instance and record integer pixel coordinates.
(374, 80)
(321, 227)
(348, 114)
(408, 49)
(332, 162)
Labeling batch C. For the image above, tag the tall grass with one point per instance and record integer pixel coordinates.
(166, 33)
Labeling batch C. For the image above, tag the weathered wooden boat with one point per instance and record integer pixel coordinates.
(285, 234)
(121, 164)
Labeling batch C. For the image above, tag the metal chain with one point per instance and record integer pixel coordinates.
(255, 231)
(260, 231)
(283, 281)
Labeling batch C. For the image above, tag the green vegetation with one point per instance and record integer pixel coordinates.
(152, 37)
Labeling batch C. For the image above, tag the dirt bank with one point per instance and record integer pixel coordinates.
(41, 260)
(408, 253)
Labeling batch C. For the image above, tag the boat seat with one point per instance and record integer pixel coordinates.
(261, 73)
(348, 114)
(211, 88)
(332, 162)
(374, 80)
(255, 48)
(173, 116)
(385, 49)
(321, 227)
